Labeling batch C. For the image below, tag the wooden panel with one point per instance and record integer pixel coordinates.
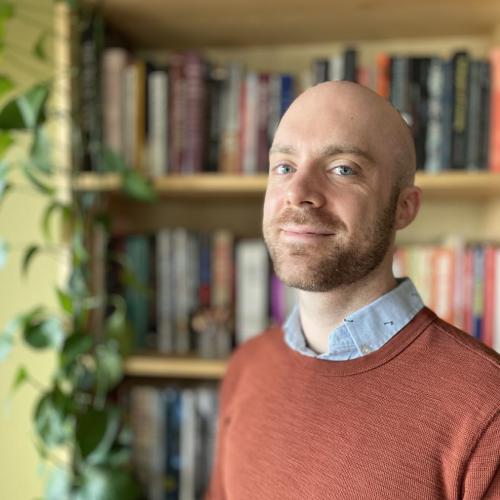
(157, 366)
(194, 23)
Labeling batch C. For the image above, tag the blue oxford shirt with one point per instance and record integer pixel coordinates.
(364, 331)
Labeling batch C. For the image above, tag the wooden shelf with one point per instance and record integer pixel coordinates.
(191, 23)
(460, 185)
(158, 366)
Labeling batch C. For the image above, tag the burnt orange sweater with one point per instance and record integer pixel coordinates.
(417, 419)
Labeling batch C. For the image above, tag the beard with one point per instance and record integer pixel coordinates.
(342, 259)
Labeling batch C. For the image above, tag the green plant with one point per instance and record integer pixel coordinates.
(75, 412)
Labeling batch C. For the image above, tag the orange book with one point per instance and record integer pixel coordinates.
(494, 157)
(383, 87)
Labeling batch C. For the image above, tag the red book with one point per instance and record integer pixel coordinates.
(494, 157)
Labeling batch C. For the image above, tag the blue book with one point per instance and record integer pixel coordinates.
(172, 437)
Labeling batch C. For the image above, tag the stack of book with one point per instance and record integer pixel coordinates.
(173, 439)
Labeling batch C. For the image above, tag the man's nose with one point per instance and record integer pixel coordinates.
(306, 187)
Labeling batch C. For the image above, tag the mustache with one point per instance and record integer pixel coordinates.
(310, 216)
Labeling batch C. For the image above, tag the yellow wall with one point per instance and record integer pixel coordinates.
(20, 477)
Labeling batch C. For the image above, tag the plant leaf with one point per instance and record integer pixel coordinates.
(32, 104)
(6, 85)
(137, 186)
(39, 48)
(29, 254)
(41, 152)
(65, 300)
(109, 370)
(42, 333)
(50, 417)
(4, 252)
(6, 10)
(108, 483)
(7, 336)
(74, 346)
(6, 141)
(113, 162)
(36, 182)
(118, 328)
(91, 429)
(59, 485)
(11, 117)
(21, 377)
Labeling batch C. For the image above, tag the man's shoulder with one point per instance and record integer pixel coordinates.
(462, 354)
(269, 340)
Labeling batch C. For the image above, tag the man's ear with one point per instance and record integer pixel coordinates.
(409, 201)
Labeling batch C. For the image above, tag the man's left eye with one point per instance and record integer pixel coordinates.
(343, 170)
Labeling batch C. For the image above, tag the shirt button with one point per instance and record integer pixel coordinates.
(366, 349)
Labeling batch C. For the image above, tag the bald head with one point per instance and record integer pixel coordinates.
(360, 113)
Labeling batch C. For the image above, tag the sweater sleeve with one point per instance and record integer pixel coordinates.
(482, 475)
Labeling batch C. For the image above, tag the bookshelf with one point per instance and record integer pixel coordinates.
(286, 38)
(451, 185)
(164, 367)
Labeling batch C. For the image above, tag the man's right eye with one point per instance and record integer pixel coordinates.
(284, 168)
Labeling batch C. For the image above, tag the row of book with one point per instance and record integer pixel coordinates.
(460, 283)
(205, 293)
(446, 101)
(188, 115)
(174, 432)
(191, 292)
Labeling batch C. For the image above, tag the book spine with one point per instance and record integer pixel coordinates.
(383, 78)
(262, 146)
(484, 113)
(249, 123)
(433, 145)
(230, 146)
(91, 41)
(215, 117)
(460, 64)
(494, 149)
(194, 120)
(177, 111)
(165, 291)
(473, 128)
(252, 288)
(114, 62)
(158, 123)
(496, 302)
(188, 438)
(489, 298)
(350, 65)
(320, 70)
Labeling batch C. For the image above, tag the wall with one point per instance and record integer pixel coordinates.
(20, 472)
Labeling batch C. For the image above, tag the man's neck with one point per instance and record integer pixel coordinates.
(321, 312)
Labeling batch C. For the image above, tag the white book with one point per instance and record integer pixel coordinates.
(114, 61)
(158, 123)
(336, 67)
(146, 414)
(252, 289)
(188, 437)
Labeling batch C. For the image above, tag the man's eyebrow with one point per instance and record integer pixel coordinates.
(281, 148)
(335, 150)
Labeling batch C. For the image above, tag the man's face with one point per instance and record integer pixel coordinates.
(330, 203)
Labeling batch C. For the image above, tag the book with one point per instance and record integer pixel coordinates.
(252, 289)
(158, 122)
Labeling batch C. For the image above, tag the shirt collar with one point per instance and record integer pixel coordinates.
(367, 329)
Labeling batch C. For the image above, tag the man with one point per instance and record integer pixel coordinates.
(364, 393)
